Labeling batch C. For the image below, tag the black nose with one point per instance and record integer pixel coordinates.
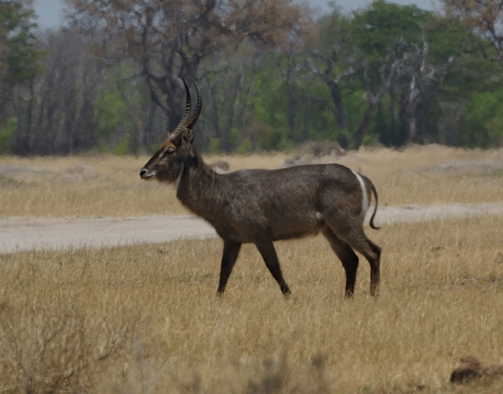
(143, 172)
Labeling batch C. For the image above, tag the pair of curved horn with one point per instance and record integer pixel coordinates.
(187, 121)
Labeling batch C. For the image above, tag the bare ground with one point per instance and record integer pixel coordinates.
(21, 233)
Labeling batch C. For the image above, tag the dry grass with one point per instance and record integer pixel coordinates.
(417, 175)
(117, 190)
(400, 177)
(146, 319)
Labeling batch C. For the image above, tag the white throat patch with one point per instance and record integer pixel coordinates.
(365, 199)
(176, 184)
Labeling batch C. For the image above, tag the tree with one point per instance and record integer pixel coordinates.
(390, 70)
(369, 53)
(336, 55)
(20, 62)
(56, 114)
(486, 17)
(484, 113)
(393, 49)
(169, 39)
(230, 79)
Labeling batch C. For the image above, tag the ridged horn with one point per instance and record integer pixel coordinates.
(185, 119)
(197, 111)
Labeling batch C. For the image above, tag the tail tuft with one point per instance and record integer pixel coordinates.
(374, 191)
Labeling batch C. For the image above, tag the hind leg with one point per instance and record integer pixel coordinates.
(356, 238)
(348, 258)
(374, 258)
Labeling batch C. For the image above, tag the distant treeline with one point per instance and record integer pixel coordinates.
(271, 75)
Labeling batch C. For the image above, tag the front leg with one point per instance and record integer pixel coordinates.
(231, 251)
(266, 249)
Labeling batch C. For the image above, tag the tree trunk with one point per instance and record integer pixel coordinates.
(403, 122)
(340, 114)
(215, 120)
(225, 142)
(291, 102)
(364, 124)
(412, 128)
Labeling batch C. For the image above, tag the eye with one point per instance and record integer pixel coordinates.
(169, 151)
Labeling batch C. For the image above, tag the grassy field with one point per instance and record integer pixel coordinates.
(55, 187)
(145, 319)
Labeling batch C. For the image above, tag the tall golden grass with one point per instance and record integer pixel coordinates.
(400, 178)
(145, 318)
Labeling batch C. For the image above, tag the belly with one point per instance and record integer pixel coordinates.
(300, 227)
(276, 228)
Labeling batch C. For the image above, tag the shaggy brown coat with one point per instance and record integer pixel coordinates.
(263, 206)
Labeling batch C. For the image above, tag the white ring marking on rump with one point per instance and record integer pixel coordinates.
(365, 199)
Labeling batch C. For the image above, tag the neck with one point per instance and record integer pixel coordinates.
(197, 186)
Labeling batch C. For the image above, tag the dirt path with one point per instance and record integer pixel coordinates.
(18, 233)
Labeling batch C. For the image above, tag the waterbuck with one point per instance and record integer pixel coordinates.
(262, 206)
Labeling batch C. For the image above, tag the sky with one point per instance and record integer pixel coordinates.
(50, 11)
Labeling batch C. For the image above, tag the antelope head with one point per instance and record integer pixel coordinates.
(167, 163)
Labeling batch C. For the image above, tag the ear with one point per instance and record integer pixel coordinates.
(187, 138)
(178, 137)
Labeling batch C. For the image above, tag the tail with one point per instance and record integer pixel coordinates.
(374, 191)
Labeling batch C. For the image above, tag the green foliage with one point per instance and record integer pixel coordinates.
(322, 123)
(233, 137)
(366, 43)
(287, 107)
(113, 124)
(274, 139)
(385, 30)
(483, 124)
(445, 38)
(122, 149)
(333, 26)
(272, 101)
(285, 145)
(109, 110)
(6, 132)
(152, 148)
(259, 112)
(214, 146)
(270, 110)
(19, 60)
(377, 27)
(303, 116)
(245, 147)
